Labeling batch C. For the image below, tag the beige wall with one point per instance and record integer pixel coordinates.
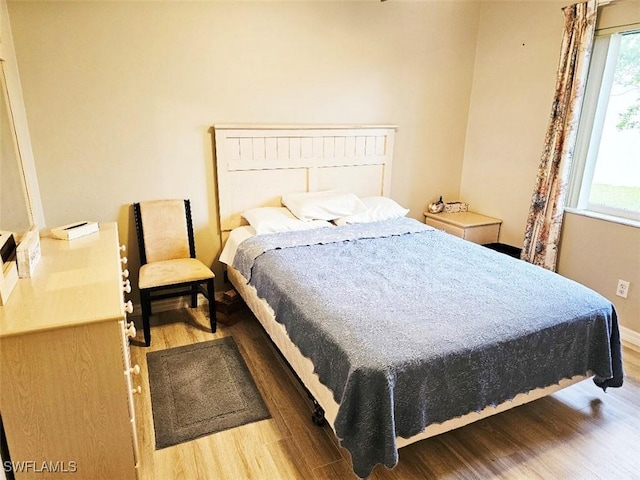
(121, 95)
(513, 82)
(517, 53)
(597, 253)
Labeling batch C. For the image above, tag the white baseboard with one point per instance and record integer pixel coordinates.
(630, 336)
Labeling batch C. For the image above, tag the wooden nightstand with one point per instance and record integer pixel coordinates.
(468, 225)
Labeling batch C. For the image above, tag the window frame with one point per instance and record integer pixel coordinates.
(597, 93)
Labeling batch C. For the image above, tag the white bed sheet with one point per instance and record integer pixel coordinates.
(236, 237)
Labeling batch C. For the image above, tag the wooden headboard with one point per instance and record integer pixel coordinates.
(256, 164)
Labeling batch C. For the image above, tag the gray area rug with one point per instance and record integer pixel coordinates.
(200, 389)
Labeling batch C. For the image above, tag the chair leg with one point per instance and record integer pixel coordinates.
(194, 295)
(212, 305)
(145, 303)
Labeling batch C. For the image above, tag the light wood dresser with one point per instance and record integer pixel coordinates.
(66, 396)
(468, 225)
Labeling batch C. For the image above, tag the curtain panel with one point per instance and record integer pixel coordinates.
(542, 234)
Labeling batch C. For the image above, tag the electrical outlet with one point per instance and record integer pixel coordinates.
(623, 288)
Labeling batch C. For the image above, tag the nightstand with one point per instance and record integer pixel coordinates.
(468, 225)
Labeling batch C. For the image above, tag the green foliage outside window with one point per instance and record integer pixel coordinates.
(627, 75)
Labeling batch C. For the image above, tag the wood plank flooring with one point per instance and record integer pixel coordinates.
(578, 433)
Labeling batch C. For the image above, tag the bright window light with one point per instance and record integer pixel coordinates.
(611, 167)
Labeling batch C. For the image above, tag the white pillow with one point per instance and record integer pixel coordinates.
(278, 219)
(378, 208)
(327, 205)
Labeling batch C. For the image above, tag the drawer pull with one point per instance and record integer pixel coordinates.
(125, 273)
(126, 286)
(135, 370)
(124, 260)
(130, 330)
(128, 307)
(123, 248)
(137, 390)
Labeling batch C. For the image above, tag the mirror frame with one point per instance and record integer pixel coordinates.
(18, 119)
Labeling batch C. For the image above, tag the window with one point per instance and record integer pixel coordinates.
(607, 173)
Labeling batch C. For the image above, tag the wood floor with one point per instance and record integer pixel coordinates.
(578, 433)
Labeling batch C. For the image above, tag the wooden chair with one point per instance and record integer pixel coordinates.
(168, 267)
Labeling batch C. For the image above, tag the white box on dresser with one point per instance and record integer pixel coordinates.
(66, 395)
(28, 254)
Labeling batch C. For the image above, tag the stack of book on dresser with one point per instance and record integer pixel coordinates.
(227, 304)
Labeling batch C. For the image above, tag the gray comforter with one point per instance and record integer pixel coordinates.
(409, 326)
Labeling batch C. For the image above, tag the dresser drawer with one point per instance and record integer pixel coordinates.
(131, 373)
(65, 367)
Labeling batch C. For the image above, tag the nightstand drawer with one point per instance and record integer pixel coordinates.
(468, 225)
(483, 234)
(447, 227)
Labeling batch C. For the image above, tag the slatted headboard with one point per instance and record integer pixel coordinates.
(256, 164)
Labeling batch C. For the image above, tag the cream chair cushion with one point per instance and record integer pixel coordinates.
(170, 272)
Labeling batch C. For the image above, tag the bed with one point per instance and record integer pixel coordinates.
(399, 331)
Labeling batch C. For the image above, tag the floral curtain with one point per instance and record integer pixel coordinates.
(542, 234)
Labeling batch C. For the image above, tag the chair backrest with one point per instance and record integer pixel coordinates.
(165, 230)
